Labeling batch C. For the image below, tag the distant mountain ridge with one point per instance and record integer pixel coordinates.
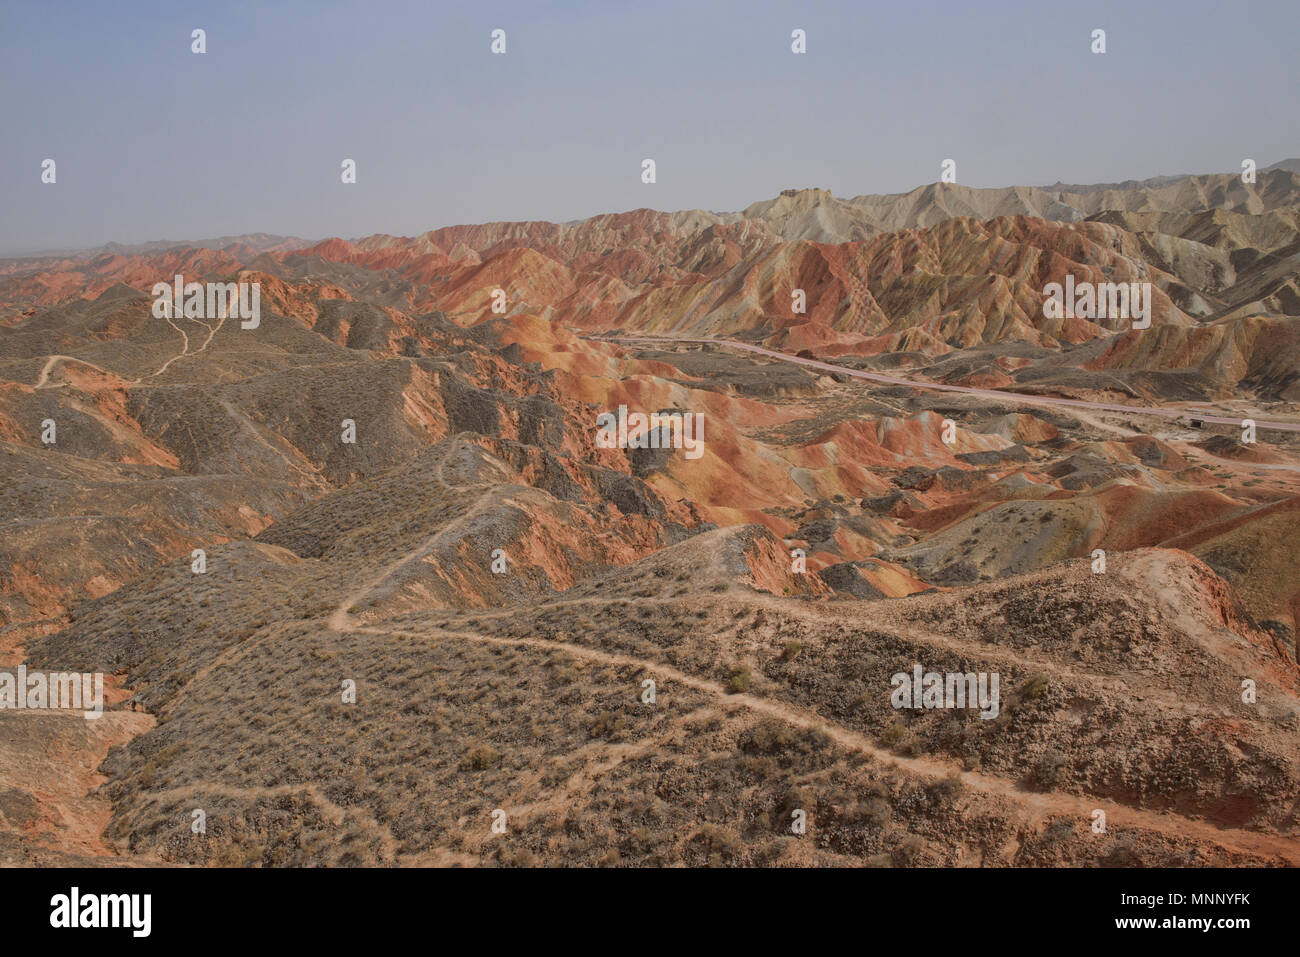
(259, 242)
(815, 214)
(921, 275)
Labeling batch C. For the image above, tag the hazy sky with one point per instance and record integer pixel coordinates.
(152, 141)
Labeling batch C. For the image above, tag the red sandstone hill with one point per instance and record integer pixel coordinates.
(500, 584)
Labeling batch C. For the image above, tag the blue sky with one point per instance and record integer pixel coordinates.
(154, 142)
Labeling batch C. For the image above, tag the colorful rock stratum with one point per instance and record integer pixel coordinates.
(957, 527)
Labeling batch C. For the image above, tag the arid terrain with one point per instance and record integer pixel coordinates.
(565, 653)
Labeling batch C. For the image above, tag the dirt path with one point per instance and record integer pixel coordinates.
(824, 615)
(185, 347)
(292, 456)
(1039, 805)
(41, 382)
(340, 620)
(44, 377)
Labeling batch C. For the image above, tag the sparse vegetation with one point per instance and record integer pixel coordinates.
(370, 564)
(480, 758)
(738, 681)
(1035, 686)
(1049, 771)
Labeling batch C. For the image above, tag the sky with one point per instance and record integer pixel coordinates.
(152, 141)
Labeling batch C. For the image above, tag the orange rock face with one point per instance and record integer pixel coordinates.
(398, 480)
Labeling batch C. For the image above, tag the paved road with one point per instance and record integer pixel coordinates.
(945, 387)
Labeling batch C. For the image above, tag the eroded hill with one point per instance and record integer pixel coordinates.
(402, 495)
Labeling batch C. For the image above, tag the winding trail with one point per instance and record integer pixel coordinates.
(42, 381)
(185, 348)
(989, 653)
(1036, 806)
(44, 378)
(1039, 804)
(341, 620)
